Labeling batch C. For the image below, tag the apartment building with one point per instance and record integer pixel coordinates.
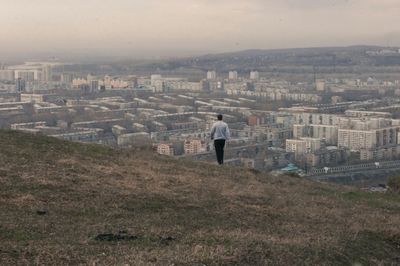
(329, 133)
(166, 149)
(303, 145)
(194, 146)
(357, 140)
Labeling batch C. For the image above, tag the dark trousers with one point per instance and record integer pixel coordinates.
(219, 145)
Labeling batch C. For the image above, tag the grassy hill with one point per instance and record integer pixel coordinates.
(67, 203)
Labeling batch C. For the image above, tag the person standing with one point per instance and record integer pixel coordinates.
(220, 134)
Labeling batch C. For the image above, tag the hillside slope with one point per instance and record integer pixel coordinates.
(68, 203)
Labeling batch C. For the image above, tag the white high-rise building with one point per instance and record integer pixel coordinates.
(320, 84)
(157, 83)
(233, 75)
(155, 78)
(46, 73)
(211, 75)
(254, 75)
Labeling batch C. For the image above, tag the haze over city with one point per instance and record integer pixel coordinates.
(199, 132)
(144, 28)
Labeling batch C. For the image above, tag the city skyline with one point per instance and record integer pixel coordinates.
(179, 28)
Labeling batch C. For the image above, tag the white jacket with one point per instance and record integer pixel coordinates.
(220, 130)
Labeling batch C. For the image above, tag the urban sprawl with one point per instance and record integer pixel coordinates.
(324, 127)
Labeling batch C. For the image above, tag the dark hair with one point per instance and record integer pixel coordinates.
(219, 117)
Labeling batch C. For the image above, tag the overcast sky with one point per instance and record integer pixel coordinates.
(160, 27)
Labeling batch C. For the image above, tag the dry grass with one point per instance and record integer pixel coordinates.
(56, 197)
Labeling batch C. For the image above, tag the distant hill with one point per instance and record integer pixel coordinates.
(65, 203)
(300, 51)
(351, 59)
(267, 60)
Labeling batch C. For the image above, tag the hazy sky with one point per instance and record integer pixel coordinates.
(159, 27)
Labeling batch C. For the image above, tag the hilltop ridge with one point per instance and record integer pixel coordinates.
(69, 203)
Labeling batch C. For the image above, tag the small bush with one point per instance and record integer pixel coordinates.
(394, 184)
